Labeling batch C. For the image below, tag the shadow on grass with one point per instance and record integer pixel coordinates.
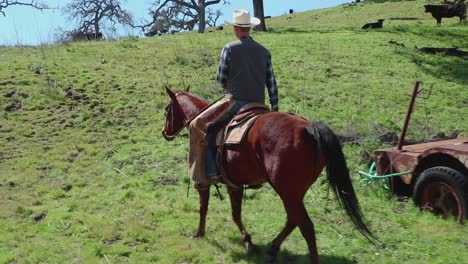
(450, 69)
(429, 32)
(287, 30)
(405, 18)
(284, 256)
(439, 65)
(296, 30)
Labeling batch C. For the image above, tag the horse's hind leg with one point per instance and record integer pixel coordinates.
(276, 243)
(236, 204)
(308, 232)
(298, 216)
(204, 197)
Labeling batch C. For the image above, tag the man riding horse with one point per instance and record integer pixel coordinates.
(244, 70)
(285, 150)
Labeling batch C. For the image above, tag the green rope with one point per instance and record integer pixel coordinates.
(372, 177)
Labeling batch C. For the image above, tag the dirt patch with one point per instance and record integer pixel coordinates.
(10, 94)
(394, 42)
(402, 205)
(67, 187)
(7, 83)
(37, 70)
(393, 138)
(166, 181)
(109, 242)
(40, 216)
(77, 95)
(16, 105)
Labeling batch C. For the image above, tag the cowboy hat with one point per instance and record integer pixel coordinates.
(242, 18)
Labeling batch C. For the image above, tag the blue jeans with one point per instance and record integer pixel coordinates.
(211, 167)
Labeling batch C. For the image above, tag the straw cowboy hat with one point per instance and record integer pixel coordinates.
(242, 18)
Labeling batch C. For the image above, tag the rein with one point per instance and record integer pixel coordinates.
(188, 121)
(201, 111)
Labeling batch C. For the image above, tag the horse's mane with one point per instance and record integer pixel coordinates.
(198, 97)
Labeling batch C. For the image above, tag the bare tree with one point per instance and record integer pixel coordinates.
(258, 12)
(184, 14)
(183, 18)
(93, 15)
(161, 25)
(33, 3)
(213, 16)
(172, 18)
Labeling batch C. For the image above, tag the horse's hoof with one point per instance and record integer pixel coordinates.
(271, 255)
(198, 235)
(270, 259)
(251, 249)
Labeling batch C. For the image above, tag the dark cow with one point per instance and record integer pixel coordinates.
(378, 24)
(152, 32)
(447, 10)
(79, 35)
(97, 36)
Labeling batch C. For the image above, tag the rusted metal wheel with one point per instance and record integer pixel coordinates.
(443, 191)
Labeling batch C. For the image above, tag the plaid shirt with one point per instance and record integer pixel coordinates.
(223, 71)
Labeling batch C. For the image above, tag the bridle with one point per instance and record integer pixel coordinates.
(170, 109)
(186, 120)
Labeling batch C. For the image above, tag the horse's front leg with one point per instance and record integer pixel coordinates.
(236, 204)
(204, 197)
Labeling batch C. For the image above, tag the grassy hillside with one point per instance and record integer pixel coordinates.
(85, 176)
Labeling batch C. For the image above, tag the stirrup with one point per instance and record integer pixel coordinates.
(200, 187)
(215, 179)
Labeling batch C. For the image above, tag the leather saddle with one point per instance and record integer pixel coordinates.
(235, 132)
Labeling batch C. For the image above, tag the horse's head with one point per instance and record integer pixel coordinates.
(180, 110)
(175, 117)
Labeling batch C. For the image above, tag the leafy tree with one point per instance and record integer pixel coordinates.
(93, 15)
(35, 4)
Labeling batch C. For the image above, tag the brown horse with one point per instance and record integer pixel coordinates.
(289, 153)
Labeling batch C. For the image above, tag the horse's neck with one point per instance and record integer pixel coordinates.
(191, 105)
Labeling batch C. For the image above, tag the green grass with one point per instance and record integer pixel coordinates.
(85, 176)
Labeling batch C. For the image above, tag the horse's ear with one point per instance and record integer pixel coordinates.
(170, 93)
(187, 88)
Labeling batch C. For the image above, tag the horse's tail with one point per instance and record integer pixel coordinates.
(338, 175)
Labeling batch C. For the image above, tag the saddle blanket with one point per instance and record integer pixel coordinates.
(236, 130)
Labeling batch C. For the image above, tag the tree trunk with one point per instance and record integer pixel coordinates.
(96, 24)
(258, 12)
(96, 29)
(201, 18)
